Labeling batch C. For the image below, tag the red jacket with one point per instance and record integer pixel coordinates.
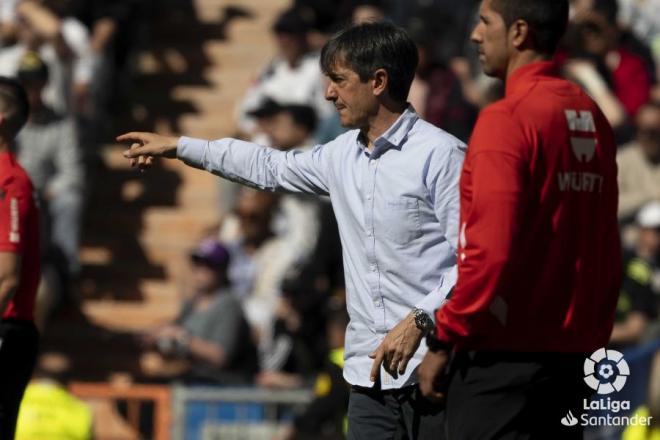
(539, 252)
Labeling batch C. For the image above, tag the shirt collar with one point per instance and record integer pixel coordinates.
(523, 76)
(394, 136)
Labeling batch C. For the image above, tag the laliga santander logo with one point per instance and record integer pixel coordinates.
(606, 371)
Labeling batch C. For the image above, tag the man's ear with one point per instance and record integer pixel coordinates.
(380, 81)
(520, 35)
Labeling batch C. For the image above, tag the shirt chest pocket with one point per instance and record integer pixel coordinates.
(401, 220)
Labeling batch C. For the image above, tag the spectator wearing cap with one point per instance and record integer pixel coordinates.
(640, 290)
(209, 341)
(48, 149)
(262, 121)
(292, 127)
(292, 77)
(639, 164)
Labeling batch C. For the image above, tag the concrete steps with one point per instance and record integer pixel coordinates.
(140, 227)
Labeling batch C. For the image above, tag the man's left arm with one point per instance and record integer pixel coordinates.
(11, 246)
(10, 270)
(402, 341)
(445, 194)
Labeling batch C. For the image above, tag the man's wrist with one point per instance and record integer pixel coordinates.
(172, 151)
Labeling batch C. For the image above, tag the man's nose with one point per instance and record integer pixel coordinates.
(330, 92)
(475, 37)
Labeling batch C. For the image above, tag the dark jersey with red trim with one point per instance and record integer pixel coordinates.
(19, 233)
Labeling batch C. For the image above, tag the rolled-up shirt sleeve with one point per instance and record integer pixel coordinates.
(258, 166)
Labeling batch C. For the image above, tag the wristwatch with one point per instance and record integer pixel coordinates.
(422, 320)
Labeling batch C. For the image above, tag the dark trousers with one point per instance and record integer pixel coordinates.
(402, 414)
(498, 395)
(19, 342)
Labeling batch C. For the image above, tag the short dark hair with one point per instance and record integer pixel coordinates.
(302, 115)
(547, 19)
(367, 47)
(291, 22)
(14, 105)
(609, 9)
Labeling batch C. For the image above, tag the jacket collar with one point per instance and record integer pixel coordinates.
(523, 76)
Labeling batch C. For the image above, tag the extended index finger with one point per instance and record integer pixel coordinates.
(375, 367)
(132, 136)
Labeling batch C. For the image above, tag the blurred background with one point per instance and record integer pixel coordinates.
(176, 305)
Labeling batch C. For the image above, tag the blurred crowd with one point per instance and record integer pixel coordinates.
(265, 303)
(74, 64)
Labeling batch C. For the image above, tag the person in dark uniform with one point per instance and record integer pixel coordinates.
(19, 261)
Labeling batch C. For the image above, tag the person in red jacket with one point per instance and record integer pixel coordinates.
(19, 261)
(539, 250)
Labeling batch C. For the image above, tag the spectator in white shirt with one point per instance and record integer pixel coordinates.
(292, 77)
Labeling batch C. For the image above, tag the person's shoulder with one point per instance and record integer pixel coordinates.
(496, 114)
(13, 178)
(434, 138)
(346, 137)
(269, 69)
(226, 300)
(501, 108)
(543, 95)
(536, 104)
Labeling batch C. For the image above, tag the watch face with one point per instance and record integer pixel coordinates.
(423, 321)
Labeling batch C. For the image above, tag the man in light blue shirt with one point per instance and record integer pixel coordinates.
(393, 184)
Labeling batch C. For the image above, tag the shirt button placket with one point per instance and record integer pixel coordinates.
(373, 263)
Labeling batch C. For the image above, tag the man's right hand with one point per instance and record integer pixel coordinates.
(146, 146)
(430, 373)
